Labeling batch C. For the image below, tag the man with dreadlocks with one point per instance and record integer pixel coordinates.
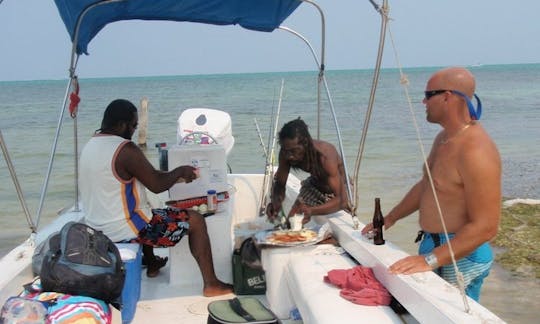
(324, 191)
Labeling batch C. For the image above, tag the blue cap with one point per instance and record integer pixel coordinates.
(211, 192)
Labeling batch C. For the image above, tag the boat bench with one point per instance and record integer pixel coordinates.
(183, 269)
(295, 280)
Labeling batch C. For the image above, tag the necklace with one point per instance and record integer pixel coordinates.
(444, 141)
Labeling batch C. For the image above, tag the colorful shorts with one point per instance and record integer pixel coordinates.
(167, 227)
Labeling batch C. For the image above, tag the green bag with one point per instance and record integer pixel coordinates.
(239, 310)
(248, 275)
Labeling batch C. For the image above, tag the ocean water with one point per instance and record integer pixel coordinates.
(391, 163)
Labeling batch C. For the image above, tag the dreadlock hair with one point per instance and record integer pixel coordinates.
(118, 111)
(297, 128)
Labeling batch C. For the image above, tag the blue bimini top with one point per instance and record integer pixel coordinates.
(259, 15)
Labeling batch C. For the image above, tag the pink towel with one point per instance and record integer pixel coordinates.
(359, 286)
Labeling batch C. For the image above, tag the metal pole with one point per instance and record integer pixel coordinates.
(16, 183)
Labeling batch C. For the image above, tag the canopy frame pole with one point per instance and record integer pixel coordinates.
(20, 194)
(53, 153)
(72, 69)
(323, 82)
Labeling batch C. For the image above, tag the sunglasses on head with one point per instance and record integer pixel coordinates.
(430, 93)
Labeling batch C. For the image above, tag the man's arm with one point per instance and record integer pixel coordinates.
(278, 187)
(411, 201)
(131, 162)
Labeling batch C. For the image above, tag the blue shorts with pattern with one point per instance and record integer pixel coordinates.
(474, 267)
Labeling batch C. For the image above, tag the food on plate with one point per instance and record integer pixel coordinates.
(291, 236)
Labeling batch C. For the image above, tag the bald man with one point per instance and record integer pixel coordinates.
(466, 170)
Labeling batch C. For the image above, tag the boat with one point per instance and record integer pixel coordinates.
(294, 283)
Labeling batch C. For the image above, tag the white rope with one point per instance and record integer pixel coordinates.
(404, 81)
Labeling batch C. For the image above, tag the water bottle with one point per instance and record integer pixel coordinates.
(211, 201)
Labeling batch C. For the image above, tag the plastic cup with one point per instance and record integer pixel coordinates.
(296, 222)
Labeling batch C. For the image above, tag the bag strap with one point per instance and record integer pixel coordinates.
(238, 309)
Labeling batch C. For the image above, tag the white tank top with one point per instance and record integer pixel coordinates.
(117, 207)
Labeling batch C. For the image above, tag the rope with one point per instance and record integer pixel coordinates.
(404, 81)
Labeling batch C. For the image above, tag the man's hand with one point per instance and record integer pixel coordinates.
(301, 208)
(271, 212)
(409, 265)
(388, 222)
(187, 173)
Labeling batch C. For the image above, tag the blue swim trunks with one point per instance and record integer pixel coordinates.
(474, 267)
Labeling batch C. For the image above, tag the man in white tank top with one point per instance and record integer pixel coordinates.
(114, 174)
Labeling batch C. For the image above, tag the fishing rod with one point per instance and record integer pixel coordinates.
(262, 203)
(265, 152)
(269, 168)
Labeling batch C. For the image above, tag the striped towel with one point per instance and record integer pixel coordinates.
(64, 308)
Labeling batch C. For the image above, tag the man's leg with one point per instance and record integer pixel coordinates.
(153, 262)
(199, 245)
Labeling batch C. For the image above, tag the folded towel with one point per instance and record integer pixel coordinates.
(359, 285)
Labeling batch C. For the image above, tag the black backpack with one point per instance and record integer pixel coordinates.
(83, 261)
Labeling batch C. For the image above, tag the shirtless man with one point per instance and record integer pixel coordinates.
(466, 169)
(324, 192)
(114, 174)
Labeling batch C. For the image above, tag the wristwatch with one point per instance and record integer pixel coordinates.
(431, 260)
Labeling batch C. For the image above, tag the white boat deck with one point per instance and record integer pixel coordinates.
(170, 303)
(175, 296)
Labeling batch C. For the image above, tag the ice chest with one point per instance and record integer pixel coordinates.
(239, 310)
(131, 255)
(211, 161)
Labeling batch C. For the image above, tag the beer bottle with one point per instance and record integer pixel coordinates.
(378, 223)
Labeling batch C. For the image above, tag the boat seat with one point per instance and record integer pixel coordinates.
(294, 277)
(183, 269)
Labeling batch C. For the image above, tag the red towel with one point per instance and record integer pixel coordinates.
(359, 286)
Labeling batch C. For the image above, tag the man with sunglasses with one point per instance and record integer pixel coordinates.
(465, 170)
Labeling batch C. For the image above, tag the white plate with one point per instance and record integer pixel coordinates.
(262, 238)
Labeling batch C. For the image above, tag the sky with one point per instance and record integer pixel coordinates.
(36, 46)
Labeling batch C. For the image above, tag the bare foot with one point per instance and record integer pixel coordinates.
(218, 289)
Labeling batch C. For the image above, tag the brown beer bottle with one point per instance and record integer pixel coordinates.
(378, 223)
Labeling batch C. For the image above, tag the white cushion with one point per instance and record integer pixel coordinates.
(320, 302)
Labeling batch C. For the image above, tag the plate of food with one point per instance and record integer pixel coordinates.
(288, 237)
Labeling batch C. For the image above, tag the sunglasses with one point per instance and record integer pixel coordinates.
(430, 93)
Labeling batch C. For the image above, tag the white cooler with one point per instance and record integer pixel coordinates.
(212, 163)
